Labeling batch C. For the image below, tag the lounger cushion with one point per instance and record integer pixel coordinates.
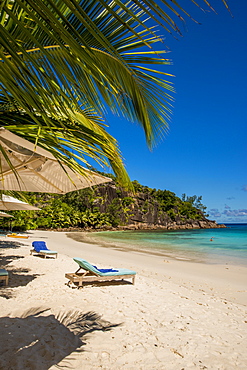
(87, 266)
(3, 272)
(47, 251)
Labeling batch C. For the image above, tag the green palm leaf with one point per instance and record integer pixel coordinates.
(64, 61)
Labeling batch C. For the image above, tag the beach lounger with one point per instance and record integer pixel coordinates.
(14, 235)
(41, 249)
(93, 274)
(4, 276)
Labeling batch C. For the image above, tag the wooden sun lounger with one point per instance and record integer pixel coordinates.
(40, 248)
(92, 274)
(4, 276)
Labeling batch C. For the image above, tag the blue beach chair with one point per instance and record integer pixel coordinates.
(40, 248)
(94, 274)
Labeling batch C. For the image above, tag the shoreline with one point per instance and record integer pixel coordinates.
(177, 315)
(167, 251)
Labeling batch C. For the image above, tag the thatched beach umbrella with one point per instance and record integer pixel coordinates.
(26, 167)
(8, 203)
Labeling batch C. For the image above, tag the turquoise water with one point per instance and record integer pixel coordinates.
(228, 245)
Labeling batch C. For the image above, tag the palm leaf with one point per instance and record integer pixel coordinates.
(64, 62)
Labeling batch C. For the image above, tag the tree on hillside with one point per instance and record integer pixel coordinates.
(195, 201)
(64, 62)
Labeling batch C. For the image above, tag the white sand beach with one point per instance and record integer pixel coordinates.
(178, 315)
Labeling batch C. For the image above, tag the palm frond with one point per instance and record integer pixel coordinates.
(64, 62)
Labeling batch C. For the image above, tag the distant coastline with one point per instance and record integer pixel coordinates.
(190, 225)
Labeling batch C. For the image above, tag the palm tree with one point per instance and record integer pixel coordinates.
(64, 61)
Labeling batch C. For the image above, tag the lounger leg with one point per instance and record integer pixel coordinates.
(5, 279)
(133, 280)
(80, 284)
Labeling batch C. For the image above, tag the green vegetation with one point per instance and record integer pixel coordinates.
(106, 206)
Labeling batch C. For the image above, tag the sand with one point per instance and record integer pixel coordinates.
(178, 315)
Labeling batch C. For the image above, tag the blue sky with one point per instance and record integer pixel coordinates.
(204, 152)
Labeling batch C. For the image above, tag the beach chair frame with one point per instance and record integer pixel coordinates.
(91, 277)
(44, 253)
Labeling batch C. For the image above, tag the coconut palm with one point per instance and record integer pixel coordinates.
(64, 61)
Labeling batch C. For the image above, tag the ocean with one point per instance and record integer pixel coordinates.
(214, 246)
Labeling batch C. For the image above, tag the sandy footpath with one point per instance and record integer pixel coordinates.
(178, 315)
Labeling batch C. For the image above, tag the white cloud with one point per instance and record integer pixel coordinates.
(229, 215)
(214, 212)
(235, 212)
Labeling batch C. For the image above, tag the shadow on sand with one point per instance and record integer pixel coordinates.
(39, 338)
(17, 276)
(10, 244)
(98, 284)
